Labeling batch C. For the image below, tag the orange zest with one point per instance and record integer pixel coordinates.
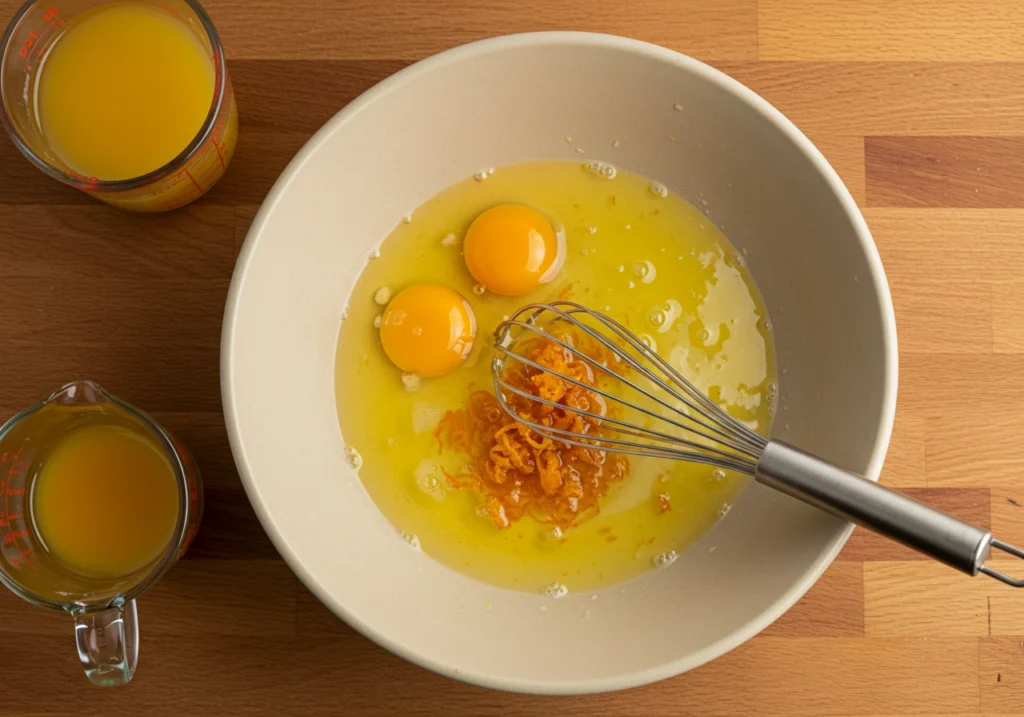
(516, 470)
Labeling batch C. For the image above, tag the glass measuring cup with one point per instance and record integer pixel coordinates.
(23, 50)
(106, 621)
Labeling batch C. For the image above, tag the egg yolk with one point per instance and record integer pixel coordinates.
(427, 330)
(511, 250)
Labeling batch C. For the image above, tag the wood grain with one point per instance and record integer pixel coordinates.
(970, 447)
(364, 29)
(968, 172)
(864, 99)
(926, 599)
(918, 105)
(942, 30)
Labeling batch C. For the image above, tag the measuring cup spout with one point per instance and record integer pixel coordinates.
(79, 393)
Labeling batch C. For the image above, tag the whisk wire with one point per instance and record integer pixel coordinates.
(708, 434)
(621, 426)
(700, 403)
(672, 438)
(723, 430)
(710, 412)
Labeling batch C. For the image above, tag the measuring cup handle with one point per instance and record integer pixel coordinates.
(108, 644)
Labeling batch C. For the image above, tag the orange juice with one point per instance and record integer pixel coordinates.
(123, 90)
(105, 502)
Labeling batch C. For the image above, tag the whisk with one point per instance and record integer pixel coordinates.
(666, 416)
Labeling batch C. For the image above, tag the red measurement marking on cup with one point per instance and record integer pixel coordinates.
(27, 45)
(10, 475)
(193, 180)
(38, 32)
(220, 155)
(12, 536)
(15, 536)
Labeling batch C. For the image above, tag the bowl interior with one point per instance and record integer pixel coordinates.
(514, 99)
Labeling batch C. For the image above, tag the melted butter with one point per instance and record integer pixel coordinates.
(653, 262)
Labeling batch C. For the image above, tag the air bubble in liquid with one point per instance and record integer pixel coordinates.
(645, 271)
(411, 381)
(376, 321)
(724, 511)
(718, 474)
(659, 190)
(553, 533)
(591, 229)
(430, 479)
(479, 289)
(649, 341)
(374, 254)
(665, 559)
(657, 317)
(600, 169)
(672, 311)
(704, 335)
(767, 324)
(352, 457)
(555, 590)
(412, 540)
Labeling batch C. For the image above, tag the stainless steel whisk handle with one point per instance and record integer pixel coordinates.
(846, 495)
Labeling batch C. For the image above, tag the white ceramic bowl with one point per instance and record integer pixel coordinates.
(506, 100)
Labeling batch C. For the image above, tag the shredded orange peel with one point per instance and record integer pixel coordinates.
(518, 471)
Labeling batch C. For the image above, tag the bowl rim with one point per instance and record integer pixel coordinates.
(548, 39)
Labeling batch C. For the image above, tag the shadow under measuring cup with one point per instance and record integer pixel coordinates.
(128, 101)
(101, 603)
